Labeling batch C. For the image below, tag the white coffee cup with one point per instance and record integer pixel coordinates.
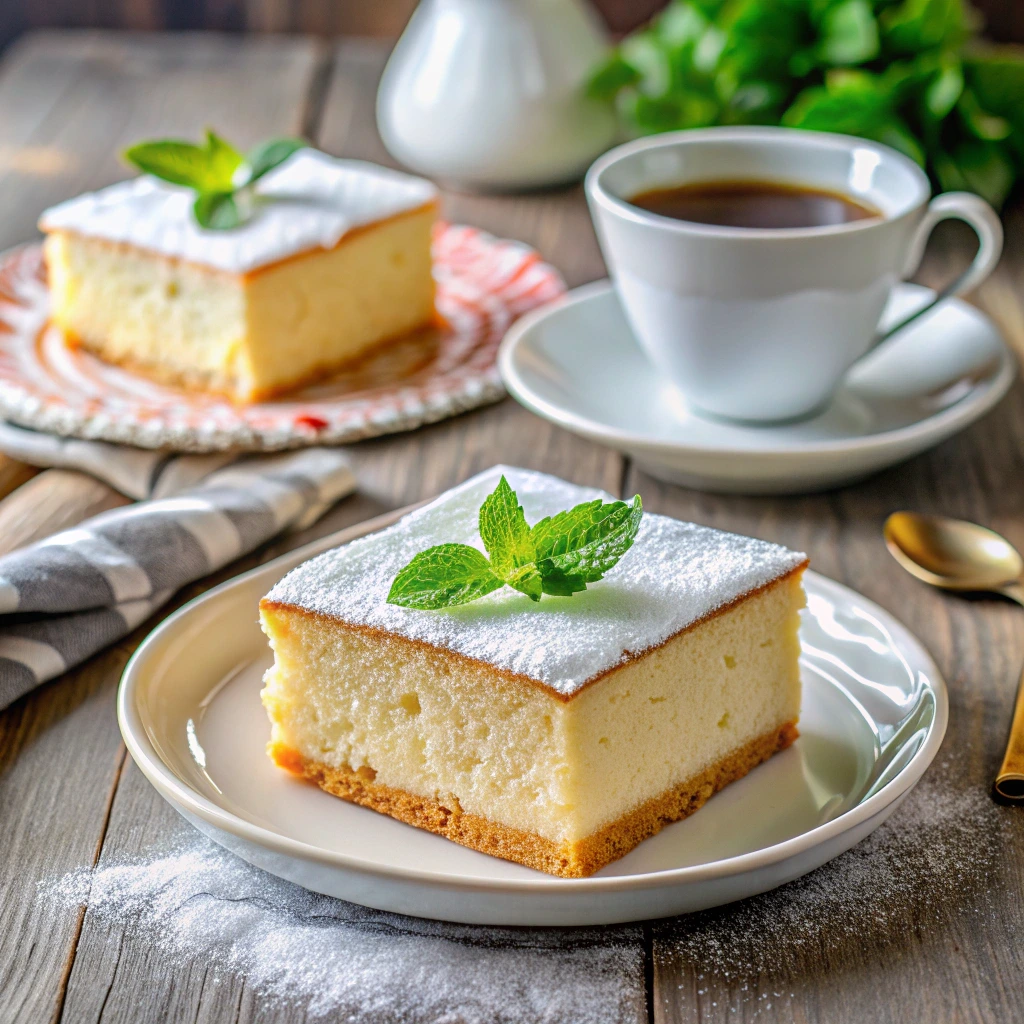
(762, 324)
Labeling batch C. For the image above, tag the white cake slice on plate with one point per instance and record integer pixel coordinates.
(559, 733)
(334, 261)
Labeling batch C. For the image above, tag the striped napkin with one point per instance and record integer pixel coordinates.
(64, 598)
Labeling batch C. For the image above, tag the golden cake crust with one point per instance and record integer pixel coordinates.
(567, 860)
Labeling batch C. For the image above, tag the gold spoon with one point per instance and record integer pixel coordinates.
(957, 555)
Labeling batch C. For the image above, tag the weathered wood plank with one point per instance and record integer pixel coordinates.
(52, 501)
(68, 104)
(923, 921)
(404, 469)
(12, 475)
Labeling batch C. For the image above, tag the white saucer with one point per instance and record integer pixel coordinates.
(575, 362)
(874, 713)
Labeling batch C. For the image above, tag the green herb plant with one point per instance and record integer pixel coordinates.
(559, 555)
(907, 73)
(222, 177)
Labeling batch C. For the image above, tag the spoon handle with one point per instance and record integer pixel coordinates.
(1009, 784)
(1014, 591)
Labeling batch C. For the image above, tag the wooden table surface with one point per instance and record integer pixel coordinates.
(924, 922)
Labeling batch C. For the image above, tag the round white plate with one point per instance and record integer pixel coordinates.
(575, 362)
(874, 713)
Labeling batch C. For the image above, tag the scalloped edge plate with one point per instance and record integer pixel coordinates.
(483, 284)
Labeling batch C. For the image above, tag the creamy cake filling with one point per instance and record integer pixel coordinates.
(511, 751)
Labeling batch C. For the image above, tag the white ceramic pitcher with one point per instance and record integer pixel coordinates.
(490, 93)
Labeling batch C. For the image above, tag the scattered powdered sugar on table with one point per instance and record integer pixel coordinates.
(199, 904)
(937, 855)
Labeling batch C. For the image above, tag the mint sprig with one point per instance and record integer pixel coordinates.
(222, 177)
(558, 556)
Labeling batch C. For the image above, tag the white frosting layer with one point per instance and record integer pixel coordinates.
(310, 202)
(674, 574)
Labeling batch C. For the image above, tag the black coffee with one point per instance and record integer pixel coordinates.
(753, 204)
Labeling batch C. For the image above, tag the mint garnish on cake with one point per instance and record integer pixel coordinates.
(223, 178)
(559, 555)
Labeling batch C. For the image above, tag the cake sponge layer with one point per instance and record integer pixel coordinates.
(566, 859)
(246, 335)
(450, 729)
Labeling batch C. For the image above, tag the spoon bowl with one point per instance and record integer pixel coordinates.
(951, 553)
(957, 555)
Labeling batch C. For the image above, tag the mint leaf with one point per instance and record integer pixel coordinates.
(559, 583)
(527, 580)
(982, 167)
(559, 556)
(217, 211)
(207, 168)
(223, 161)
(916, 25)
(180, 163)
(945, 89)
(570, 529)
(616, 74)
(981, 124)
(213, 171)
(551, 536)
(504, 531)
(596, 538)
(443, 576)
(270, 154)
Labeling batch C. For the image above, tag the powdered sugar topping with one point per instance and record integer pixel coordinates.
(675, 574)
(310, 202)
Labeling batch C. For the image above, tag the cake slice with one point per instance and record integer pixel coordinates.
(559, 733)
(334, 262)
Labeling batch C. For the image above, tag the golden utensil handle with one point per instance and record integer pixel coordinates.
(1009, 784)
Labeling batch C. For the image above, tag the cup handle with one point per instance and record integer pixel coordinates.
(973, 210)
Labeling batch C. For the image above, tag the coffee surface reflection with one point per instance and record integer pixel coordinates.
(753, 204)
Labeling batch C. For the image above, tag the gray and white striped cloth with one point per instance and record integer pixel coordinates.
(64, 598)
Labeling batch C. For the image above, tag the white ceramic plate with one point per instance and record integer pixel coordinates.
(873, 716)
(575, 362)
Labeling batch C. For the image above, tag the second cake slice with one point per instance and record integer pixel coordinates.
(334, 262)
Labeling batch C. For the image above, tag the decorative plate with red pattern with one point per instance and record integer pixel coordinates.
(483, 284)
